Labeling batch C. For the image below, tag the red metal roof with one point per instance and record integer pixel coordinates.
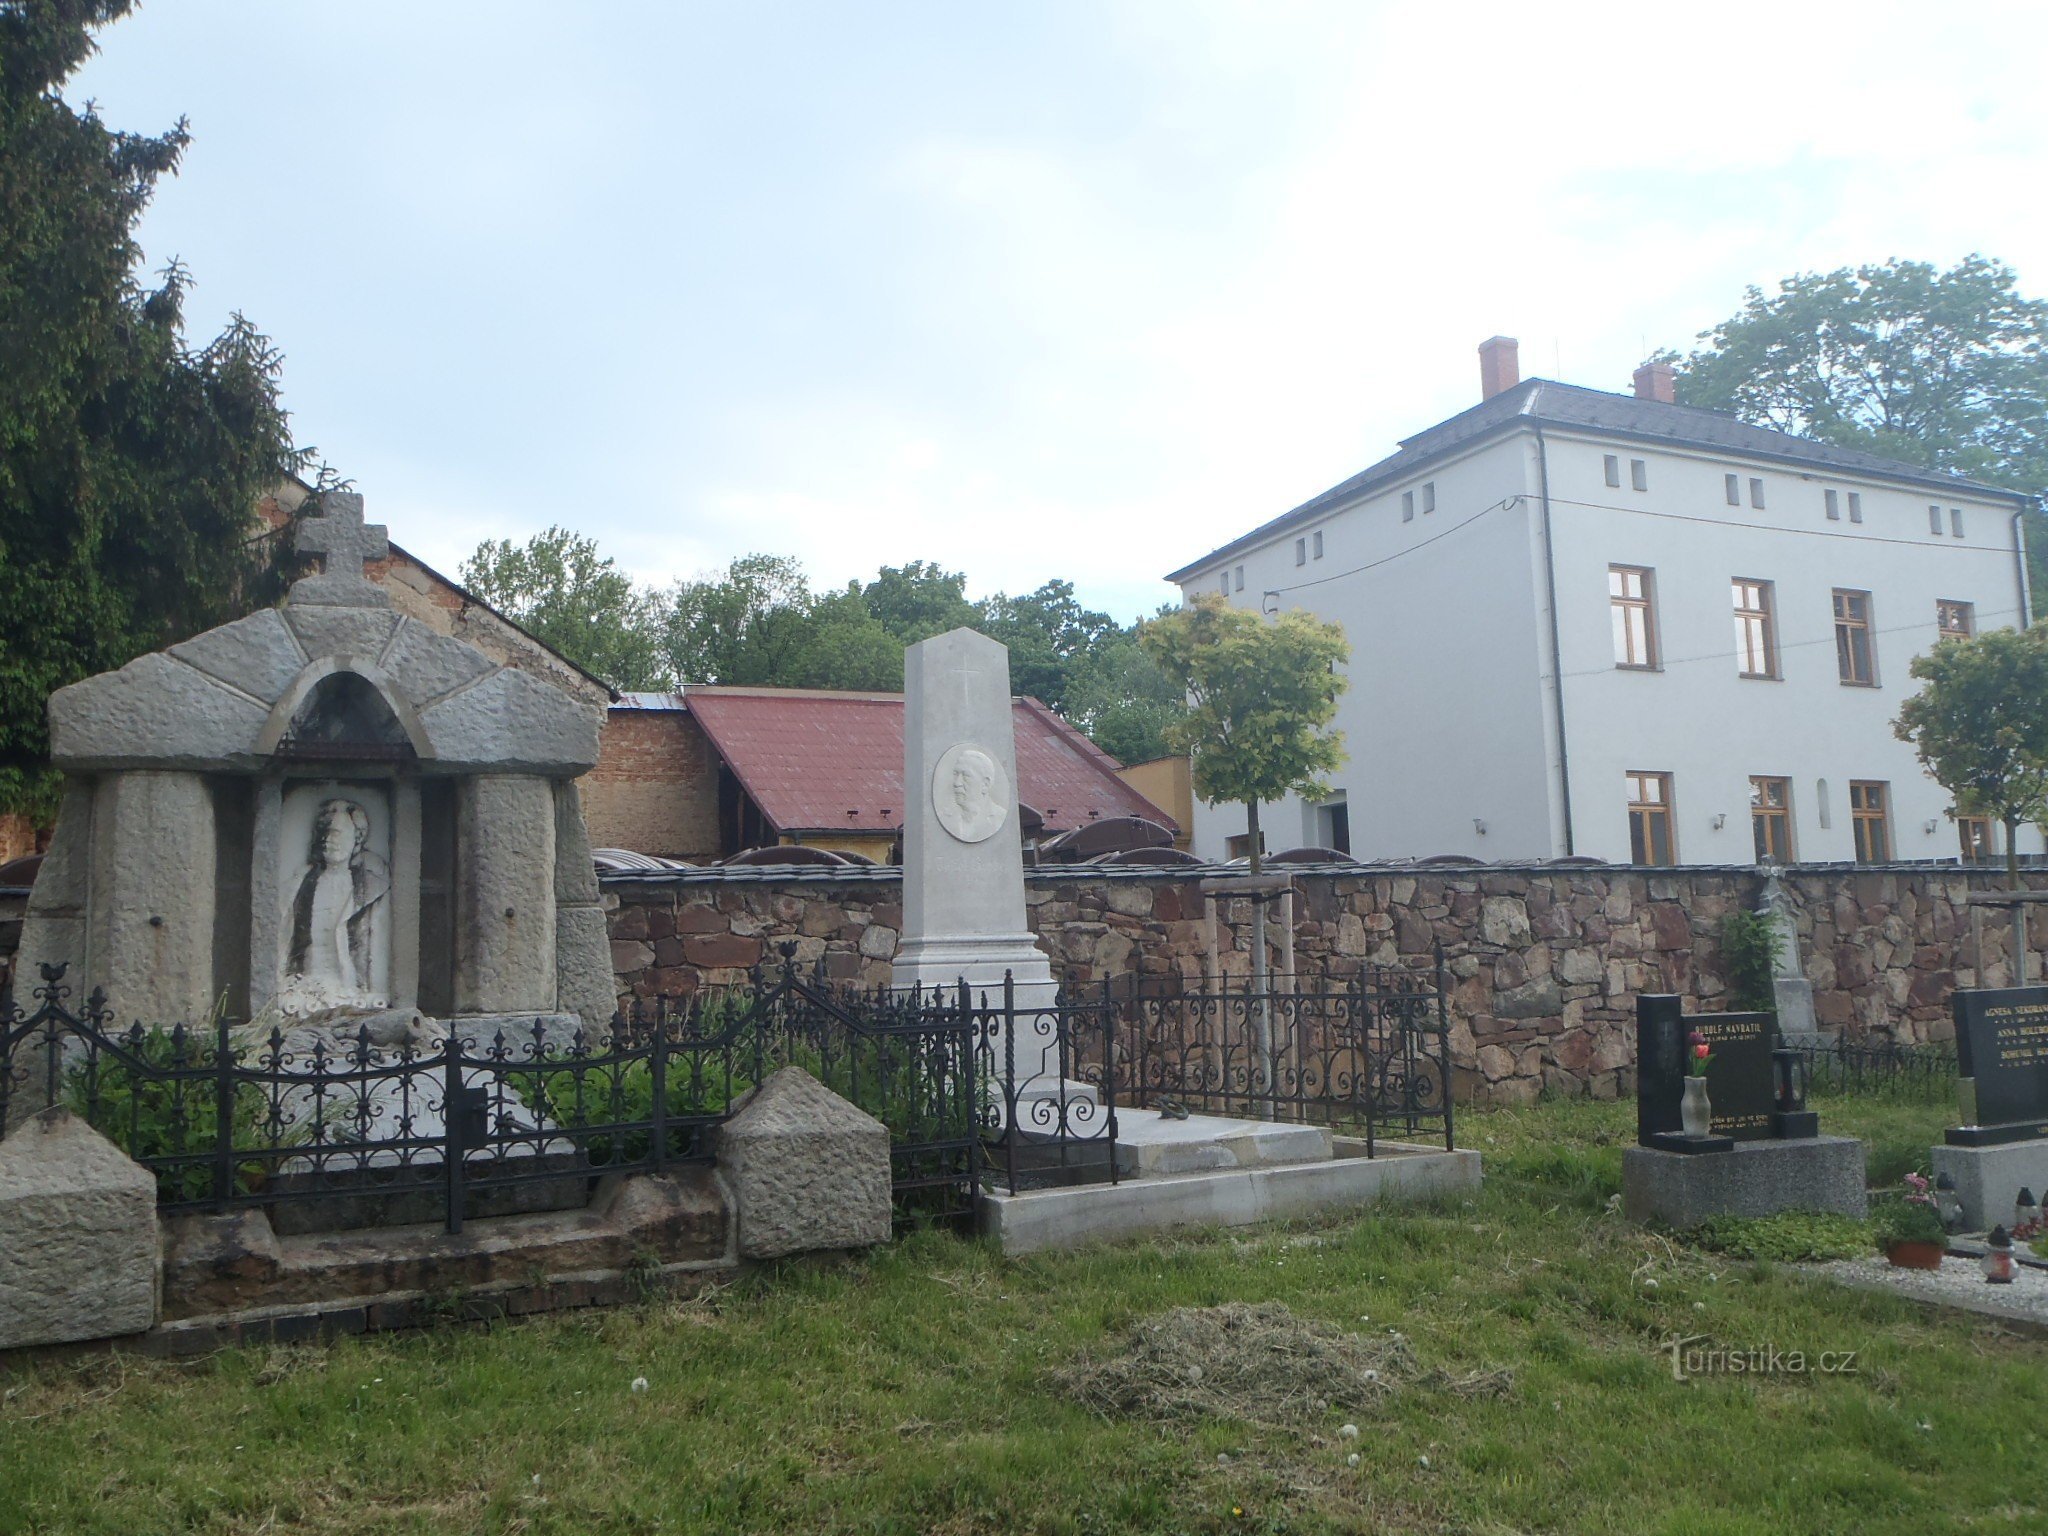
(813, 760)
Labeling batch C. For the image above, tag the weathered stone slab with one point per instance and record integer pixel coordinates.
(357, 633)
(512, 722)
(150, 933)
(807, 1169)
(78, 1235)
(426, 665)
(258, 654)
(156, 712)
(575, 873)
(1753, 1178)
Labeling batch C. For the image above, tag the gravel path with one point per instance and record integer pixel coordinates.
(1958, 1283)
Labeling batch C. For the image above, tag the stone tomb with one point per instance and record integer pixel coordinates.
(2002, 1144)
(326, 817)
(1763, 1154)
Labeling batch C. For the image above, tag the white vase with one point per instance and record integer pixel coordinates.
(1695, 1114)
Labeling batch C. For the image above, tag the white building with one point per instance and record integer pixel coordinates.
(1611, 625)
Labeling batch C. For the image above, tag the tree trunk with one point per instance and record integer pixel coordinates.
(1262, 1015)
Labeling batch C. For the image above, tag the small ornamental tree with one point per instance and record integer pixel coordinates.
(1261, 696)
(1980, 726)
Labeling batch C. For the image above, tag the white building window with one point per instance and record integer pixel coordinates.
(1756, 493)
(1319, 543)
(1834, 504)
(1934, 519)
(1407, 506)
(1955, 521)
(1639, 474)
(1631, 592)
(1731, 485)
(1240, 578)
(1855, 507)
(1429, 495)
(1613, 467)
(1301, 551)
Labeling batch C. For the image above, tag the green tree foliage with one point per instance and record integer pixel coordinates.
(1980, 726)
(130, 461)
(1125, 703)
(760, 624)
(562, 591)
(1943, 369)
(1261, 697)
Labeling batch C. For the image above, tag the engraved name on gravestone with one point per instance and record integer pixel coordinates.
(2002, 1054)
(1740, 1081)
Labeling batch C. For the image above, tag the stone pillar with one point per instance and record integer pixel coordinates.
(963, 863)
(1792, 992)
(584, 983)
(149, 928)
(53, 928)
(505, 895)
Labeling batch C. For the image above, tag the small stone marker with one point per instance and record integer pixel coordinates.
(78, 1235)
(807, 1170)
(1740, 1079)
(2002, 1053)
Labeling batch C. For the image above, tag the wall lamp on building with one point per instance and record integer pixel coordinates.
(1720, 820)
(1930, 826)
(1269, 602)
(1479, 825)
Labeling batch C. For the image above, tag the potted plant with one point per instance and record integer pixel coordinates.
(1909, 1227)
(1695, 1113)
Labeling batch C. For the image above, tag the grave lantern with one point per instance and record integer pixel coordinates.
(1947, 1204)
(1998, 1258)
(2026, 1212)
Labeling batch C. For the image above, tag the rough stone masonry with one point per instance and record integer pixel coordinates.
(1543, 964)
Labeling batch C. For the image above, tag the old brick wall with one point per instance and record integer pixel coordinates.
(655, 786)
(1544, 965)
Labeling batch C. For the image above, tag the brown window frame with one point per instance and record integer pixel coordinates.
(1981, 848)
(1620, 605)
(1847, 628)
(1968, 613)
(1763, 617)
(1644, 814)
(1770, 822)
(1870, 819)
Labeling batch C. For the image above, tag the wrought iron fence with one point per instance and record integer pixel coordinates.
(451, 1124)
(1918, 1074)
(404, 1125)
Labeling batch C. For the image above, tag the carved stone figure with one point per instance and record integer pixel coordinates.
(970, 793)
(338, 903)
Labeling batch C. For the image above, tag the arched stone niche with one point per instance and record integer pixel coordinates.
(198, 778)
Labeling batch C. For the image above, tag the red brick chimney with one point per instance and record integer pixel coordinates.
(1657, 381)
(1500, 365)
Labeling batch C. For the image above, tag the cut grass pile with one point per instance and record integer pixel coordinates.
(916, 1390)
(1259, 1363)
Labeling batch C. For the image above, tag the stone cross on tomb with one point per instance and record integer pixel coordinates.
(340, 535)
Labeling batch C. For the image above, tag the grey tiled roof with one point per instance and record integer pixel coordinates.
(1543, 402)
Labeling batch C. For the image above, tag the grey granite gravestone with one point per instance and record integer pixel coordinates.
(2002, 1145)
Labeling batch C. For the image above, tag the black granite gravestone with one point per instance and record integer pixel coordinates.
(2002, 1054)
(1739, 1076)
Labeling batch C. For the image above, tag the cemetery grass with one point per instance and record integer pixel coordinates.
(912, 1391)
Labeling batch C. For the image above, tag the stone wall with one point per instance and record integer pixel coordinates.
(1544, 964)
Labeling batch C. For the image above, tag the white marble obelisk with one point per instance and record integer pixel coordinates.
(963, 861)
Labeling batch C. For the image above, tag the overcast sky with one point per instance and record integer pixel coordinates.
(1030, 289)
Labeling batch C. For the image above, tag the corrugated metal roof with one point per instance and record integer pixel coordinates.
(1548, 403)
(814, 761)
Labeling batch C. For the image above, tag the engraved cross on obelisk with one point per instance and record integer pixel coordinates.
(340, 534)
